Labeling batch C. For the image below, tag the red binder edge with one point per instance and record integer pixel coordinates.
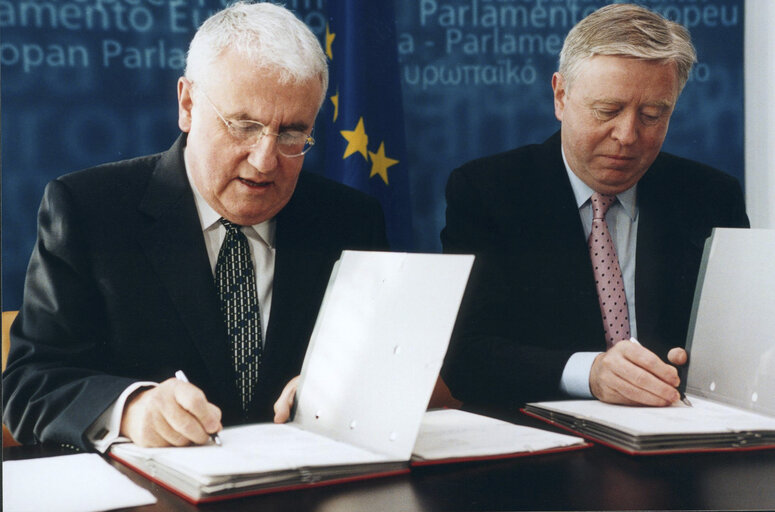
(515, 455)
(651, 452)
(255, 492)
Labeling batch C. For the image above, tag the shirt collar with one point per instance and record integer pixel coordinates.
(208, 217)
(583, 192)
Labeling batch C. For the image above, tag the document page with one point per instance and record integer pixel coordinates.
(450, 433)
(252, 449)
(82, 482)
(704, 417)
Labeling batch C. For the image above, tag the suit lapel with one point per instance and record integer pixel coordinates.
(301, 272)
(649, 265)
(173, 242)
(567, 252)
(573, 253)
(662, 281)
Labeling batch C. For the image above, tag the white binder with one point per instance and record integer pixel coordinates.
(377, 347)
(731, 338)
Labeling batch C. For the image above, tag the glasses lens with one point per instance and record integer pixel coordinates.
(246, 131)
(294, 143)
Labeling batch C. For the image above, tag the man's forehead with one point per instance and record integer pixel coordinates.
(611, 81)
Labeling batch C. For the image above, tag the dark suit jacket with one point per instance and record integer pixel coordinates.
(119, 289)
(532, 300)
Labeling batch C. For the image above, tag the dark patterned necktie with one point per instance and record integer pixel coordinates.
(608, 275)
(236, 282)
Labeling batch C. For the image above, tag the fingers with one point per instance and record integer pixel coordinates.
(174, 413)
(283, 405)
(201, 412)
(651, 364)
(677, 356)
(630, 374)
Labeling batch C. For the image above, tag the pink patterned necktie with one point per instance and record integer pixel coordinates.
(608, 275)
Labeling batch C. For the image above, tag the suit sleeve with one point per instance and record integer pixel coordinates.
(377, 230)
(488, 362)
(736, 215)
(55, 384)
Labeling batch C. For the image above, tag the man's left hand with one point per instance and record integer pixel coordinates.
(283, 405)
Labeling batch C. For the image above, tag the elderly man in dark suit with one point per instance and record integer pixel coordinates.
(591, 241)
(211, 257)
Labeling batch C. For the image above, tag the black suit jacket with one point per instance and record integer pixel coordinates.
(532, 300)
(119, 289)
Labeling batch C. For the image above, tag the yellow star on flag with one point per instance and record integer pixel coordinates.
(357, 140)
(329, 39)
(380, 163)
(335, 100)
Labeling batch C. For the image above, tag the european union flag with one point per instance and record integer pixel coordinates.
(365, 144)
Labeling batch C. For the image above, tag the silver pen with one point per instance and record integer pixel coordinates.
(182, 377)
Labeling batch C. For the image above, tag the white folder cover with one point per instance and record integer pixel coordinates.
(732, 328)
(377, 347)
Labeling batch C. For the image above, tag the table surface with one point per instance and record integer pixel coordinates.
(597, 478)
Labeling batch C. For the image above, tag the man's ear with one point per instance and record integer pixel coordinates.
(558, 86)
(185, 104)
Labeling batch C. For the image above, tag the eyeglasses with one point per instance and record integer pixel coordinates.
(290, 143)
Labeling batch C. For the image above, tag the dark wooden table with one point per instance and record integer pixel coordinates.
(597, 478)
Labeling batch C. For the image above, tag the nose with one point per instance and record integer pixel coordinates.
(263, 155)
(625, 128)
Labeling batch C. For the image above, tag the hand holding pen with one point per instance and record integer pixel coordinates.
(630, 374)
(172, 413)
(677, 358)
(215, 437)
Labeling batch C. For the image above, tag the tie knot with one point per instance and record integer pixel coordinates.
(600, 204)
(230, 226)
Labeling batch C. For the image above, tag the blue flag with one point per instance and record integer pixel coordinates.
(365, 144)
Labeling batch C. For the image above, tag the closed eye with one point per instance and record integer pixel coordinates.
(605, 114)
(246, 127)
(649, 119)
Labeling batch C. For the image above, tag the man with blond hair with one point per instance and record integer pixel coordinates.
(588, 245)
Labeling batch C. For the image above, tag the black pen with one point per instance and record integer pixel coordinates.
(682, 371)
(182, 376)
(681, 394)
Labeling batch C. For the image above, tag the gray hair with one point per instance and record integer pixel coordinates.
(627, 30)
(268, 36)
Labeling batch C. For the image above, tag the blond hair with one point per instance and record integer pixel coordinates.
(627, 30)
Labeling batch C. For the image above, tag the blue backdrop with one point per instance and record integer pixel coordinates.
(90, 81)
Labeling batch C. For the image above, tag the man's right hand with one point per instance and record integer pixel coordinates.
(633, 375)
(174, 413)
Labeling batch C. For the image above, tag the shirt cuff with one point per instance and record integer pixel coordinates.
(575, 377)
(106, 429)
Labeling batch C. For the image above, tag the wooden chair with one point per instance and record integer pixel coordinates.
(8, 318)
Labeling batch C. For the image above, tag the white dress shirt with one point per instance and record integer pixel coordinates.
(262, 251)
(622, 220)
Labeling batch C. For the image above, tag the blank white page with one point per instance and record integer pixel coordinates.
(82, 482)
(450, 433)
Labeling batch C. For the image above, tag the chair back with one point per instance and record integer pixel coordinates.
(8, 318)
